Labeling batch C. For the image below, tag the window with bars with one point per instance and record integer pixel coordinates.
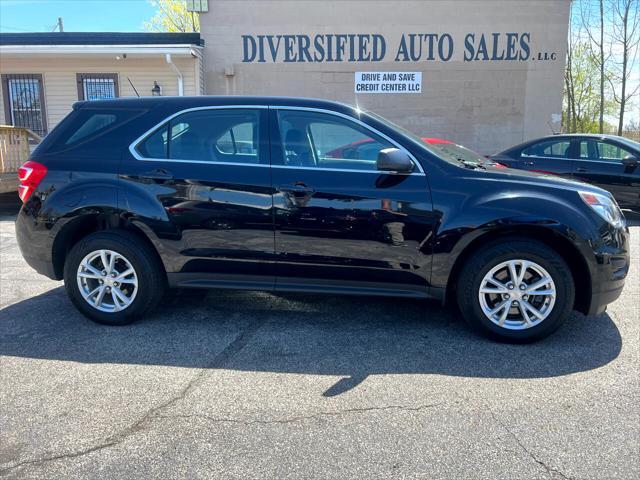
(97, 86)
(24, 101)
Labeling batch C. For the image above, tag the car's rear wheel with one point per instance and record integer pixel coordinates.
(113, 278)
(516, 290)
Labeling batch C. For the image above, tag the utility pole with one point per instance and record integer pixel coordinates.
(60, 25)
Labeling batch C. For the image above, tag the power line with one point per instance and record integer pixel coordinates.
(5, 27)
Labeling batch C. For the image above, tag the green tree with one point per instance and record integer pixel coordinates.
(582, 99)
(172, 16)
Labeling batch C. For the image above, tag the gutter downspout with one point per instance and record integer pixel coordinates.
(178, 73)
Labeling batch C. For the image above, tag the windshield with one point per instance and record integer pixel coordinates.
(447, 155)
(630, 143)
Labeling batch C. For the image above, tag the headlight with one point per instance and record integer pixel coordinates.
(604, 206)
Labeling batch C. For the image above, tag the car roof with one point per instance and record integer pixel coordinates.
(560, 136)
(214, 100)
(583, 135)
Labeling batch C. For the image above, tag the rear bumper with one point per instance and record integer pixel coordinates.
(35, 244)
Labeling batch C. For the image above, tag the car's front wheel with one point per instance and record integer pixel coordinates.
(516, 290)
(112, 277)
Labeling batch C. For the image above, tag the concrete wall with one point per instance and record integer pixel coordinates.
(59, 77)
(485, 104)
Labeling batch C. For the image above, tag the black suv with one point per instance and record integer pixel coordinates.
(126, 197)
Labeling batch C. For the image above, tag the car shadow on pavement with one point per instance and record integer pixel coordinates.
(351, 337)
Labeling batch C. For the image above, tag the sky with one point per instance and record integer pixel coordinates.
(78, 15)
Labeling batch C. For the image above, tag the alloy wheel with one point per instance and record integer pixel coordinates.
(517, 294)
(107, 281)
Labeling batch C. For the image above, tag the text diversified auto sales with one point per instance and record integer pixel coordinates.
(412, 47)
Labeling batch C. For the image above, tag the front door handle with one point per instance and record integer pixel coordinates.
(297, 189)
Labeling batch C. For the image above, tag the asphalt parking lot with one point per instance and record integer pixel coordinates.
(255, 385)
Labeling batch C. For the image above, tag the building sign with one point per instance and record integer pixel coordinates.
(373, 47)
(388, 82)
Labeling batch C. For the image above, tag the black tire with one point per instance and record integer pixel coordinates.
(151, 275)
(481, 262)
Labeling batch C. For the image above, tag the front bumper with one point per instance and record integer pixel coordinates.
(609, 269)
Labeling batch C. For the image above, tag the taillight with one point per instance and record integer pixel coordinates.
(30, 175)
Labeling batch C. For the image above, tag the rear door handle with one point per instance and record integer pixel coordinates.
(581, 170)
(297, 189)
(528, 164)
(158, 174)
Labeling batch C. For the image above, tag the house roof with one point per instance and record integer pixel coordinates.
(99, 38)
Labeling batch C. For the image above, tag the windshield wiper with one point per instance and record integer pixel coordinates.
(469, 164)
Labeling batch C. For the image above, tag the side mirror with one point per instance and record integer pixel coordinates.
(394, 160)
(630, 161)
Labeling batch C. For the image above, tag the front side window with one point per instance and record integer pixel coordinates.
(548, 149)
(610, 152)
(24, 101)
(209, 135)
(321, 140)
(97, 86)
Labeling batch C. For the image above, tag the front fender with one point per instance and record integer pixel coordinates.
(495, 215)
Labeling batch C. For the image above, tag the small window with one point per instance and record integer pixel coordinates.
(549, 149)
(155, 145)
(327, 141)
(215, 135)
(97, 86)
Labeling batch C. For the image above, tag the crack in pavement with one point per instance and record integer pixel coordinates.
(550, 470)
(218, 362)
(301, 418)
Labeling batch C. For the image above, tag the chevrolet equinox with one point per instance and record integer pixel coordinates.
(127, 197)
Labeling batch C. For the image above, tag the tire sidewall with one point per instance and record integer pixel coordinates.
(543, 256)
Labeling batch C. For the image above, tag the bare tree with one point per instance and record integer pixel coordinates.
(570, 119)
(597, 38)
(625, 40)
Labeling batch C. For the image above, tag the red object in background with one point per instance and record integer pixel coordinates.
(436, 141)
(341, 152)
(30, 175)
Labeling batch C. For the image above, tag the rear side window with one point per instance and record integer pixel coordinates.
(552, 148)
(209, 135)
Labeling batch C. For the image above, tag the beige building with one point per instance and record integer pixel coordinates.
(43, 74)
(484, 73)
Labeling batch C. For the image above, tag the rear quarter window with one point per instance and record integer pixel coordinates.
(85, 125)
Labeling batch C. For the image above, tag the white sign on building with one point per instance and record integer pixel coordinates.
(388, 82)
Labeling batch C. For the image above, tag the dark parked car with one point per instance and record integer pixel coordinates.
(126, 197)
(610, 162)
